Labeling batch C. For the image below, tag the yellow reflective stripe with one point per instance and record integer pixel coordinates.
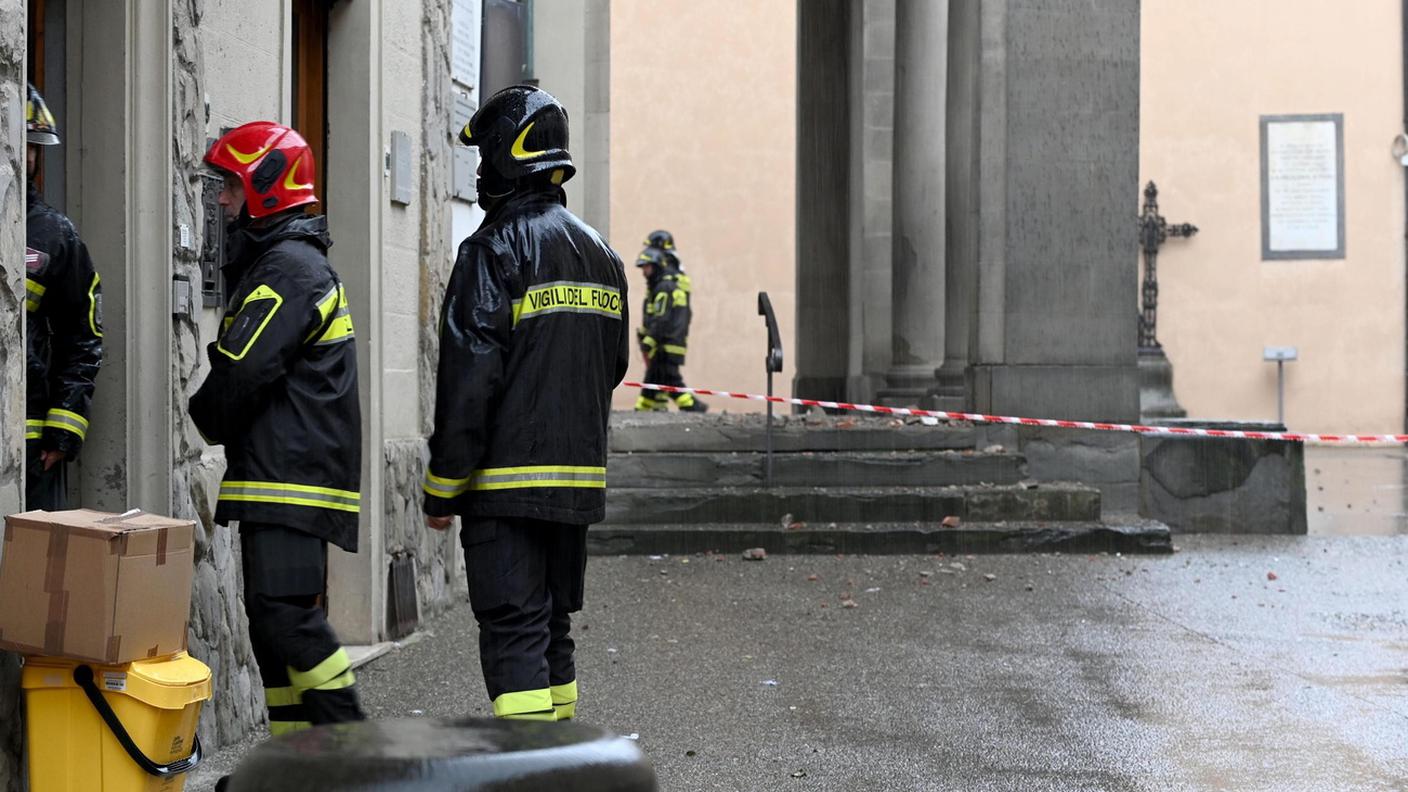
(569, 297)
(564, 694)
(67, 421)
(93, 306)
(564, 712)
(336, 664)
(442, 487)
(538, 476)
(326, 306)
(675, 349)
(34, 428)
(291, 494)
(339, 682)
(341, 327)
(648, 341)
(34, 290)
(680, 297)
(280, 728)
(282, 697)
(261, 293)
(524, 703)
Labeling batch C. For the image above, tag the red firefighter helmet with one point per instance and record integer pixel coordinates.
(273, 161)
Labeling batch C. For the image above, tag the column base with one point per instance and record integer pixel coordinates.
(1156, 398)
(1073, 392)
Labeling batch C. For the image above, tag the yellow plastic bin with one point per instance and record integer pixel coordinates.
(125, 728)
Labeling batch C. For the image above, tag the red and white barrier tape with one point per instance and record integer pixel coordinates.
(1177, 431)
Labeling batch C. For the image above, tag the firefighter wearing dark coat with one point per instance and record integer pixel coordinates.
(64, 321)
(664, 333)
(533, 339)
(281, 397)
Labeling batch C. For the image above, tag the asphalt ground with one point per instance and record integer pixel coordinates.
(1237, 663)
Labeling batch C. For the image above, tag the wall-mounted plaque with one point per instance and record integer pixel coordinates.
(1302, 186)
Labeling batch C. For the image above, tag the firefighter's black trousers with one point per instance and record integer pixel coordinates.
(525, 580)
(663, 371)
(307, 675)
(44, 489)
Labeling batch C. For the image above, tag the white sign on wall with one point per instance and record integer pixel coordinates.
(1302, 187)
(464, 42)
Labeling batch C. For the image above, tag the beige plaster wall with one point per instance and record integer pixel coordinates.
(1210, 70)
(703, 116)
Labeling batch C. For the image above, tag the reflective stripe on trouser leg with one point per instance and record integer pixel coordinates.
(684, 399)
(564, 700)
(286, 712)
(328, 690)
(525, 705)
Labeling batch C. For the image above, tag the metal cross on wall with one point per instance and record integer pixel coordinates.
(1154, 230)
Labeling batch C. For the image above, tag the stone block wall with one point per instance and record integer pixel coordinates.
(12, 198)
(218, 633)
(440, 576)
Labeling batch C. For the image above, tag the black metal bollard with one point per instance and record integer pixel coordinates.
(479, 755)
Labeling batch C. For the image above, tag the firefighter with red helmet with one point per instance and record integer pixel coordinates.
(64, 321)
(281, 396)
(533, 339)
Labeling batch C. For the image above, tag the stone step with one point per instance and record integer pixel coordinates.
(679, 432)
(1116, 536)
(769, 506)
(828, 469)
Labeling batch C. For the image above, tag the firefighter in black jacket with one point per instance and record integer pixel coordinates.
(64, 320)
(533, 339)
(664, 333)
(281, 397)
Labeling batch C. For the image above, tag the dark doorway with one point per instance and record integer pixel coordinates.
(310, 83)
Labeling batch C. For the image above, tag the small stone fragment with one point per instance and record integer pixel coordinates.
(1272, 576)
(952, 521)
(958, 566)
(691, 754)
(786, 519)
(989, 577)
(755, 554)
(850, 603)
(800, 774)
(925, 573)
(994, 449)
(813, 578)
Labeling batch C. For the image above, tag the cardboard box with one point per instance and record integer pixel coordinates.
(95, 586)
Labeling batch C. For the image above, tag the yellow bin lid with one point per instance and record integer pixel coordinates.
(173, 682)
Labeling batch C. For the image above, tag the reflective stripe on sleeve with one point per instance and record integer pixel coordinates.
(441, 487)
(291, 495)
(534, 476)
(67, 421)
(33, 428)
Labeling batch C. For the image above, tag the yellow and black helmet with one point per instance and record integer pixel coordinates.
(521, 131)
(40, 128)
(660, 239)
(651, 255)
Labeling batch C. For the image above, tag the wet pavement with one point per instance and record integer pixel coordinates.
(1238, 663)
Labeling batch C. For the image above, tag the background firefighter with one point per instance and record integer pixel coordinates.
(64, 321)
(533, 339)
(282, 398)
(664, 333)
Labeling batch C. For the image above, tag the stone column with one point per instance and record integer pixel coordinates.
(823, 197)
(921, 71)
(12, 197)
(1057, 172)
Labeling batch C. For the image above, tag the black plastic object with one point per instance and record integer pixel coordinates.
(83, 675)
(469, 755)
(774, 364)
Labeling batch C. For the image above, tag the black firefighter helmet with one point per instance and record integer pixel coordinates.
(521, 131)
(662, 240)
